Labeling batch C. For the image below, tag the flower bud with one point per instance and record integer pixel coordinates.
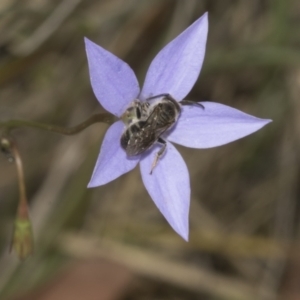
(22, 240)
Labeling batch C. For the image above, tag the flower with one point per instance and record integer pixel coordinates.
(174, 70)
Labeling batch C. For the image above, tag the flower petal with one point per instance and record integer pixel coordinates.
(176, 67)
(113, 81)
(112, 161)
(215, 125)
(169, 187)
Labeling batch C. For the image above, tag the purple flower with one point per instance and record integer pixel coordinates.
(174, 71)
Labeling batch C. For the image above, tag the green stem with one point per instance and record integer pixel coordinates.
(103, 118)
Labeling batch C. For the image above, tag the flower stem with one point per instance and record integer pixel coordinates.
(96, 118)
(22, 239)
(20, 172)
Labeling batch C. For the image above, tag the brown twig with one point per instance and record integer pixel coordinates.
(96, 118)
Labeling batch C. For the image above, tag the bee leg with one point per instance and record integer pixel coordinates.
(166, 95)
(189, 102)
(159, 154)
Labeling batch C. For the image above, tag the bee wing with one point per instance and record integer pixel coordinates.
(159, 121)
(138, 138)
(141, 141)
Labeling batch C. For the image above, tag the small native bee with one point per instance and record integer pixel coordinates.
(147, 121)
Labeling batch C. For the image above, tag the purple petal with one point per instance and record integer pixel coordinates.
(169, 187)
(113, 81)
(176, 67)
(112, 161)
(215, 125)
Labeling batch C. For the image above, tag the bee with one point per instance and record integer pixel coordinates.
(147, 121)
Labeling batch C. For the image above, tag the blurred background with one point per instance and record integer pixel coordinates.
(111, 242)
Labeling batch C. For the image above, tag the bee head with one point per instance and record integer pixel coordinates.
(132, 114)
